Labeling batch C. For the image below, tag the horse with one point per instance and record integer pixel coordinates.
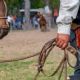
(4, 28)
(42, 22)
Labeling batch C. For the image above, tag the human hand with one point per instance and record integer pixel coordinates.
(62, 40)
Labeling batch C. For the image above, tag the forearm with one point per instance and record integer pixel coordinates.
(68, 11)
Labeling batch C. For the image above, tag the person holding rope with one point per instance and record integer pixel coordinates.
(68, 23)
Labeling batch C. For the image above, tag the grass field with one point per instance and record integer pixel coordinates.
(21, 43)
(26, 70)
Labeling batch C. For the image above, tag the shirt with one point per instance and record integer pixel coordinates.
(9, 19)
(47, 10)
(68, 11)
(55, 12)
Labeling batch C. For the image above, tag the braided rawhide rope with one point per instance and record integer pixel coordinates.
(43, 54)
(63, 64)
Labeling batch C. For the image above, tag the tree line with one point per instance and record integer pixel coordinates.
(15, 5)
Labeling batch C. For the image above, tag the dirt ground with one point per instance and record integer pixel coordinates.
(18, 43)
(21, 43)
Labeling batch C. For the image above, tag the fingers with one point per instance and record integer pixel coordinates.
(62, 40)
(61, 44)
(64, 45)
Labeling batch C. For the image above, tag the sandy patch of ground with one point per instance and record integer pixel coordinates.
(17, 43)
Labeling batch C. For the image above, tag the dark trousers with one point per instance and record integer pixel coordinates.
(76, 75)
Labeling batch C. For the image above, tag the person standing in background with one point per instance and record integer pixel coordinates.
(48, 15)
(55, 14)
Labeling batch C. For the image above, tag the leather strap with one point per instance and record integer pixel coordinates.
(3, 17)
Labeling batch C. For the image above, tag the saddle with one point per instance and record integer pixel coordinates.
(4, 27)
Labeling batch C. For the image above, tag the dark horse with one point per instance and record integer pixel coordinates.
(4, 28)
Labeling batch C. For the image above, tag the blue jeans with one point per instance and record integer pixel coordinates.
(76, 75)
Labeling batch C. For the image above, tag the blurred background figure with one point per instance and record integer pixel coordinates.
(9, 19)
(18, 23)
(35, 22)
(55, 14)
(42, 22)
(13, 22)
(48, 15)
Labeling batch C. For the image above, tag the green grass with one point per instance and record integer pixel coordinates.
(24, 70)
(27, 69)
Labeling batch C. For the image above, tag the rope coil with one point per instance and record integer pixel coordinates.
(63, 64)
(44, 53)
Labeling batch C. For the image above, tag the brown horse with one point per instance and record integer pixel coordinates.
(42, 22)
(4, 28)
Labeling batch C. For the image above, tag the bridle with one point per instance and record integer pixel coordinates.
(4, 29)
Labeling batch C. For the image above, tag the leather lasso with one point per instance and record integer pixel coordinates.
(47, 48)
(44, 53)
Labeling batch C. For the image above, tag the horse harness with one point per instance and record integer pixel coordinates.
(4, 29)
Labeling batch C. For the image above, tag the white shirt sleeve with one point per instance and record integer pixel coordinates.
(68, 11)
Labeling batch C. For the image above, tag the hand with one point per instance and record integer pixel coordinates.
(62, 40)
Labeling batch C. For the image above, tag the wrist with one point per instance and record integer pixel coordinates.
(64, 37)
(64, 29)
